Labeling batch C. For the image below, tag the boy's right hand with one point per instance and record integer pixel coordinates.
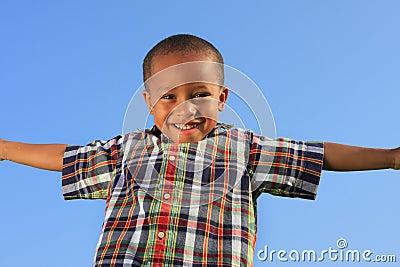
(2, 155)
(42, 156)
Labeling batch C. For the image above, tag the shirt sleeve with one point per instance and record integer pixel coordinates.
(88, 170)
(285, 167)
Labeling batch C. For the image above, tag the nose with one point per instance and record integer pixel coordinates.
(186, 109)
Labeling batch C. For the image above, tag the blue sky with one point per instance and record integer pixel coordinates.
(329, 70)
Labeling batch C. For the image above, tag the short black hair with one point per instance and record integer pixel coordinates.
(182, 43)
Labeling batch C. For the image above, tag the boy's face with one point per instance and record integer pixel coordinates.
(185, 111)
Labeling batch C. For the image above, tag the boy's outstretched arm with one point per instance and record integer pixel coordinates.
(43, 156)
(339, 157)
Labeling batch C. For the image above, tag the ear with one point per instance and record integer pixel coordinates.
(147, 99)
(223, 96)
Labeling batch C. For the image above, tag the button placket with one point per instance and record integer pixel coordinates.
(161, 234)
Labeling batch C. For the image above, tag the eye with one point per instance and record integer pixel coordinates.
(201, 95)
(167, 97)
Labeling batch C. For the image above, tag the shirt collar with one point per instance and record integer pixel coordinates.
(220, 126)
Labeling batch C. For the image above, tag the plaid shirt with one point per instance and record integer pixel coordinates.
(189, 204)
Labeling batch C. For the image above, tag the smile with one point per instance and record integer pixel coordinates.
(185, 127)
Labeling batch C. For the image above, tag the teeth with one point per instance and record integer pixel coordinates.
(185, 127)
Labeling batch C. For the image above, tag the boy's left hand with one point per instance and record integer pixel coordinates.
(396, 158)
(338, 157)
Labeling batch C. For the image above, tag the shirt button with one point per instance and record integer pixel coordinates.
(171, 158)
(167, 196)
(161, 234)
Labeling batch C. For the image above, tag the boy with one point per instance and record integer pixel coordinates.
(184, 192)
